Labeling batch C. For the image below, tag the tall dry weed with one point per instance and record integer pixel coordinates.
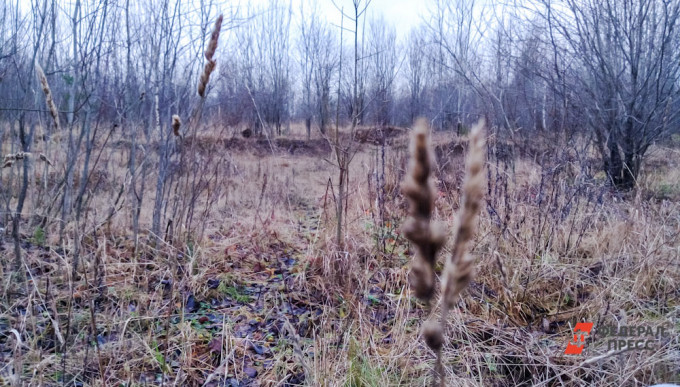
(209, 53)
(48, 95)
(429, 237)
(176, 124)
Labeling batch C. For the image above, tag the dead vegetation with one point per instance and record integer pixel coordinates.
(264, 299)
(378, 134)
(263, 146)
(192, 199)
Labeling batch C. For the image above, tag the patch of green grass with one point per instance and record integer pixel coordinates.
(158, 356)
(667, 190)
(39, 236)
(361, 373)
(491, 362)
(675, 138)
(234, 292)
(373, 299)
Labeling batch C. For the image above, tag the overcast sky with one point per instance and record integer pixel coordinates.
(403, 14)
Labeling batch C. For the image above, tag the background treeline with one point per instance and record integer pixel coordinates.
(604, 72)
(607, 69)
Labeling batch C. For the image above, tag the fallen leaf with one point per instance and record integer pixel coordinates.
(251, 372)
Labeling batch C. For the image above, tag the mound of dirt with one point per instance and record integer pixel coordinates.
(377, 134)
(263, 146)
(315, 147)
(449, 155)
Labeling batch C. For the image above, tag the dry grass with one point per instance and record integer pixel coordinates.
(259, 298)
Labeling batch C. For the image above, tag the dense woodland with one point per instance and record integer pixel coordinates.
(157, 150)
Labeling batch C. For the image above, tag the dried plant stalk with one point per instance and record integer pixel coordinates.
(48, 95)
(428, 238)
(209, 52)
(9, 159)
(45, 159)
(418, 228)
(458, 269)
(176, 124)
(214, 37)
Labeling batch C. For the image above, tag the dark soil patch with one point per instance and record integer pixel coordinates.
(262, 146)
(378, 134)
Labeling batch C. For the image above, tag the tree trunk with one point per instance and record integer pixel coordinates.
(622, 172)
(630, 171)
(341, 193)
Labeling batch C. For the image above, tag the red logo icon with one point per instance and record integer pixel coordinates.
(581, 331)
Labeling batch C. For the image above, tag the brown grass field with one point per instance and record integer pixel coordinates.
(262, 296)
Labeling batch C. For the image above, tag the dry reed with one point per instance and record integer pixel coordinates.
(176, 124)
(209, 52)
(48, 95)
(458, 270)
(418, 228)
(45, 159)
(9, 159)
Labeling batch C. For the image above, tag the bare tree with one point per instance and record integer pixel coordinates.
(415, 73)
(307, 63)
(265, 59)
(26, 129)
(275, 35)
(165, 34)
(318, 60)
(456, 32)
(326, 64)
(627, 73)
(344, 152)
(383, 65)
